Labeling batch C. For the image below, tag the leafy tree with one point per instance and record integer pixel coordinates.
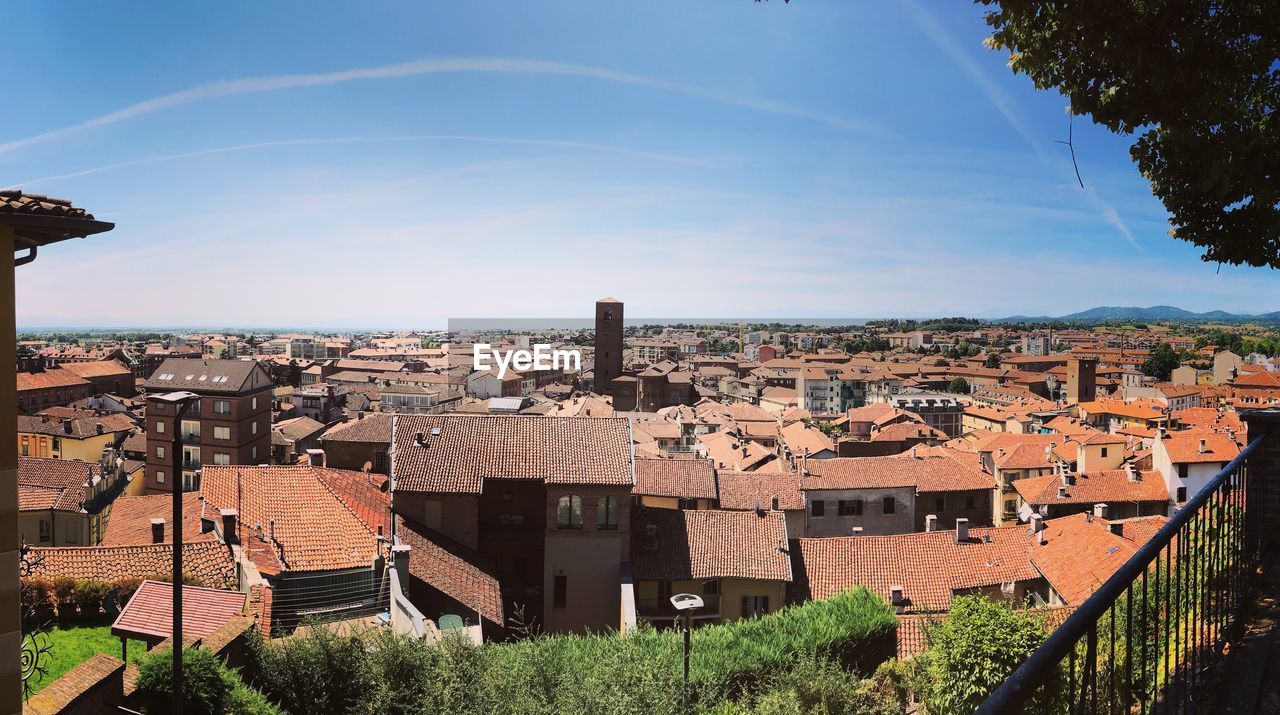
(960, 386)
(992, 361)
(980, 643)
(1161, 363)
(1195, 78)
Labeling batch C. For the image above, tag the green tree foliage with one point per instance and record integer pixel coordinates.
(840, 641)
(959, 385)
(1162, 361)
(208, 686)
(1196, 79)
(971, 652)
(992, 361)
(1223, 339)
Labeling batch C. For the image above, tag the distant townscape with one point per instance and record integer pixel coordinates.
(357, 477)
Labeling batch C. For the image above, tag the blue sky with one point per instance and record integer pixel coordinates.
(271, 164)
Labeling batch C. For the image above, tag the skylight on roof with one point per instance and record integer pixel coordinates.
(166, 376)
(1113, 549)
(190, 377)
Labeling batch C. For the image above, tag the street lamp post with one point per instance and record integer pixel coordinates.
(685, 604)
(180, 401)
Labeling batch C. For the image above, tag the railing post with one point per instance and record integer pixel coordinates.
(1262, 489)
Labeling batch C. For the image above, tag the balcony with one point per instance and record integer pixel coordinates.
(190, 437)
(660, 608)
(1155, 636)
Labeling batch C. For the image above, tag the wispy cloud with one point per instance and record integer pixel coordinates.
(553, 143)
(934, 30)
(253, 85)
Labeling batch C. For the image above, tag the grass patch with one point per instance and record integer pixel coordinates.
(73, 644)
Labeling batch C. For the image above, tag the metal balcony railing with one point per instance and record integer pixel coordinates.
(1149, 638)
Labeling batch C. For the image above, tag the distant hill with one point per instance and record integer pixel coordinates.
(1153, 314)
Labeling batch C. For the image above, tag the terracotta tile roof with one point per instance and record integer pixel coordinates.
(751, 490)
(149, 613)
(13, 201)
(81, 427)
(261, 596)
(53, 483)
(456, 571)
(1025, 456)
(1184, 447)
(1079, 554)
(929, 566)
(52, 377)
(461, 450)
(208, 562)
(684, 478)
(1104, 486)
(374, 427)
(97, 368)
(903, 431)
(366, 494)
(314, 530)
(130, 519)
(730, 452)
(800, 437)
(709, 544)
(923, 470)
(1261, 378)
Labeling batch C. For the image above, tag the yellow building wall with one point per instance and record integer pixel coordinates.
(85, 450)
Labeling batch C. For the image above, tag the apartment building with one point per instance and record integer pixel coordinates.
(229, 424)
(546, 500)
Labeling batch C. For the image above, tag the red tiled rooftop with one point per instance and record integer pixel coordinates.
(681, 478)
(149, 614)
(708, 544)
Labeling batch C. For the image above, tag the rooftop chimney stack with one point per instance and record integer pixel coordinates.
(229, 532)
(1037, 522)
(931, 522)
(962, 530)
(1100, 510)
(316, 457)
(1116, 528)
(1202, 448)
(157, 530)
(896, 596)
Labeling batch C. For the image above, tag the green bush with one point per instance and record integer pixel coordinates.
(89, 596)
(837, 641)
(64, 591)
(124, 589)
(36, 593)
(980, 643)
(209, 686)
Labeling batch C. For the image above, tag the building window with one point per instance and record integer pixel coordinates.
(159, 427)
(1182, 494)
(253, 454)
(222, 407)
(711, 588)
(849, 507)
(159, 452)
(254, 404)
(190, 481)
(159, 477)
(817, 509)
(222, 433)
(774, 504)
(379, 461)
(1104, 451)
(569, 512)
(221, 458)
(57, 443)
(890, 506)
(1182, 470)
(754, 606)
(254, 429)
(607, 513)
(940, 504)
(560, 593)
(46, 531)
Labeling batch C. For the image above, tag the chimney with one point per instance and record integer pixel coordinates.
(896, 597)
(962, 530)
(157, 530)
(418, 438)
(316, 457)
(914, 454)
(400, 561)
(931, 522)
(67, 426)
(101, 427)
(1100, 510)
(229, 533)
(855, 531)
(1116, 528)
(1130, 472)
(1037, 523)
(1202, 449)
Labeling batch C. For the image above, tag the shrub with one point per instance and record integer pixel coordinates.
(36, 593)
(124, 589)
(209, 686)
(64, 590)
(980, 643)
(89, 596)
(206, 682)
(837, 640)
